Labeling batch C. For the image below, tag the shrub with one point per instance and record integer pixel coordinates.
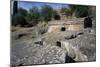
(56, 16)
(42, 28)
(18, 19)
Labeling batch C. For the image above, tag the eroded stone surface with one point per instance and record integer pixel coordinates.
(25, 50)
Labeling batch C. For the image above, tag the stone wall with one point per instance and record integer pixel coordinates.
(70, 27)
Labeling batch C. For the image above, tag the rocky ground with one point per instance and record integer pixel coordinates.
(28, 48)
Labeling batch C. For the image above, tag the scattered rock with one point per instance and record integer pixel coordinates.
(86, 44)
(69, 59)
(59, 47)
(74, 52)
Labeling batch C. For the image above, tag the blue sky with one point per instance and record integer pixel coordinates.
(27, 5)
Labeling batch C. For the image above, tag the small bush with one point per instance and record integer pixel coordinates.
(57, 17)
(43, 31)
(42, 28)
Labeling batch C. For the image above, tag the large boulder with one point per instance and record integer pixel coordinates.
(27, 52)
(73, 52)
(86, 44)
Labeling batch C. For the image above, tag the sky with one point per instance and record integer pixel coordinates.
(27, 5)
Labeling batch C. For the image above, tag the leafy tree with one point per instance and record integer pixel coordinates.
(18, 19)
(34, 15)
(28, 17)
(76, 10)
(47, 13)
(80, 10)
(63, 9)
(22, 12)
(34, 12)
(66, 11)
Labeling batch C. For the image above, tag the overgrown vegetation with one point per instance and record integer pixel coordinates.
(35, 15)
(76, 11)
(19, 19)
(67, 11)
(80, 10)
(47, 13)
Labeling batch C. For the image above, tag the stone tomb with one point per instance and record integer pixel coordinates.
(61, 25)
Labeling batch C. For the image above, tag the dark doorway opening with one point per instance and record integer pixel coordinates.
(68, 59)
(87, 22)
(63, 29)
(58, 43)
